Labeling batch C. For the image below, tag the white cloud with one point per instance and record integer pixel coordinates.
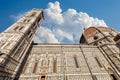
(69, 24)
(65, 26)
(61, 35)
(45, 35)
(53, 13)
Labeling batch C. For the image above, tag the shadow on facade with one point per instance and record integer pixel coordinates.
(23, 63)
(118, 46)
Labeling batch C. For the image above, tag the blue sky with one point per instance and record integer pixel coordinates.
(106, 10)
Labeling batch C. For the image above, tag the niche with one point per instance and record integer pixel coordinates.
(42, 78)
(112, 74)
(113, 77)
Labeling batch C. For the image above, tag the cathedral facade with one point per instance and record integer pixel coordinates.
(97, 57)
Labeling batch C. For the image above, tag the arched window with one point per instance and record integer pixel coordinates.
(21, 28)
(33, 14)
(16, 28)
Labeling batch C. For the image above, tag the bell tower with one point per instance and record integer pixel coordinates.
(15, 42)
